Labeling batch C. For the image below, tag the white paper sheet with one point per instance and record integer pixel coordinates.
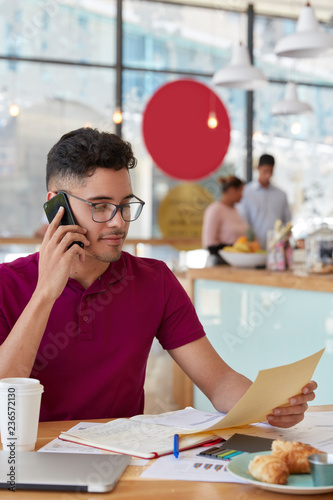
(187, 419)
(316, 429)
(190, 467)
(58, 446)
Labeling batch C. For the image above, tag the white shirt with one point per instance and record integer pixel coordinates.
(261, 207)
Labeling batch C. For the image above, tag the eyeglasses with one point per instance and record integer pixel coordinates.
(103, 212)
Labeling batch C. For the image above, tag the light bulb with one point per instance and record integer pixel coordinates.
(295, 128)
(117, 116)
(257, 136)
(14, 110)
(212, 120)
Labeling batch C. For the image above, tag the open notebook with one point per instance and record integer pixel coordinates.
(136, 438)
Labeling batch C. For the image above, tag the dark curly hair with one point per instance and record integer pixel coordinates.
(230, 181)
(78, 153)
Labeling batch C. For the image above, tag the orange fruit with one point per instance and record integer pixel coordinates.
(241, 239)
(254, 245)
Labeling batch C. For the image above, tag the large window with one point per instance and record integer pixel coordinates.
(162, 43)
(302, 144)
(268, 31)
(177, 38)
(58, 65)
(77, 31)
(52, 97)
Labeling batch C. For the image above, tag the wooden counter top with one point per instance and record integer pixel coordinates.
(284, 279)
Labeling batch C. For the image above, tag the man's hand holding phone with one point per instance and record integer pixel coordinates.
(57, 254)
(52, 206)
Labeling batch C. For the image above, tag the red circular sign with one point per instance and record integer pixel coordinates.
(177, 134)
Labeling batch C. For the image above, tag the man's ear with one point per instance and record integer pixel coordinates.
(50, 195)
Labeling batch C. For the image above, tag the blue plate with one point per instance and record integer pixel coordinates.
(297, 484)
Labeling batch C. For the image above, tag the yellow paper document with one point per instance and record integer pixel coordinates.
(271, 388)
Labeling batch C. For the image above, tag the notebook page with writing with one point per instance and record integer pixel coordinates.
(135, 438)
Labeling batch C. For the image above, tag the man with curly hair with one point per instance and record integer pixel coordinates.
(82, 317)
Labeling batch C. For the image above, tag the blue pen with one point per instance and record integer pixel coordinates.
(176, 445)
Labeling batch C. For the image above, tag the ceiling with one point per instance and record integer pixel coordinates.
(285, 8)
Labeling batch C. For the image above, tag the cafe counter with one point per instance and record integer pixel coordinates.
(258, 319)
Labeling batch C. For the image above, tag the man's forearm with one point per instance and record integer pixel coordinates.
(218, 381)
(19, 350)
(229, 391)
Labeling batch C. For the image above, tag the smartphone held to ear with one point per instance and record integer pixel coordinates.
(51, 208)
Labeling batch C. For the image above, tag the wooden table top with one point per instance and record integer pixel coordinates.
(132, 487)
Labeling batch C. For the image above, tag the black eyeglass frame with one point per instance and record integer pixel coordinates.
(117, 207)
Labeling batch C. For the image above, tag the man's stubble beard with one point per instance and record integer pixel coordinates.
(111, 255)
(107, 257)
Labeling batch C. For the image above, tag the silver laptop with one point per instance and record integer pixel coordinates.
(60, 471)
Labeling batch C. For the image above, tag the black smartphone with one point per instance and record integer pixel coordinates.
(51, 208)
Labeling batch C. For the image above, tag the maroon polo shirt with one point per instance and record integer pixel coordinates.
(92, 357)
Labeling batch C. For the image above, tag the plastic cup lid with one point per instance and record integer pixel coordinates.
(21, 384)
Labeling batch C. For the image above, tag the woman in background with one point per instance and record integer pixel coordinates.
(222, 224)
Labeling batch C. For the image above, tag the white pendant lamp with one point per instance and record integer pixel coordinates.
(309, 39)
(291, 105)
(240, 73)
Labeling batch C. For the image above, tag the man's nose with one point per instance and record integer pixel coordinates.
(116, 220)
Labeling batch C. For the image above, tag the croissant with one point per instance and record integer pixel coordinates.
(295, 454)
(269, 469)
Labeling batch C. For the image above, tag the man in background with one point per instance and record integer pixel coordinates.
(263, 203)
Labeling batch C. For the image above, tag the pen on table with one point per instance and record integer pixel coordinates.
(176, 445)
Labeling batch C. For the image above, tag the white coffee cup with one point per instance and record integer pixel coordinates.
(19, 412)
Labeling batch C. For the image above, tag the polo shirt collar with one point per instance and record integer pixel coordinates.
(114, 273)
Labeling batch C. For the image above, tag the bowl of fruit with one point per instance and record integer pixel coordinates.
(244, 253)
